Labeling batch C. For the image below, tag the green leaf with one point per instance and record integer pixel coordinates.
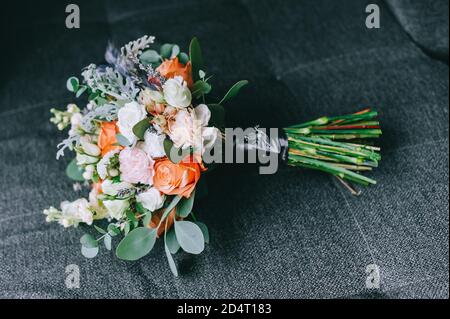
(168, 146)
(137, 244)
(131, 216)
(173, 267)
(175, 51)
(171, 206)
(166, 50)
(184, 207)
(72, 84)
(195, 54)
(190, 237)
(150, 56)
(100, 230)
(201, 74)
(89, 252)
(80, 91)
(233, 91)
(127, 228)
(171, 242)
(217, 115)
(107, 240)
(183, 58)
(141, 127)
(201, 88)
(113, 230)
(122, 140)
(140, 208)
(88, 241)
(74, 172)
(204, 230)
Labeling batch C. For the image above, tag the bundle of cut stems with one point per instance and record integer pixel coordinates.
(325, 144)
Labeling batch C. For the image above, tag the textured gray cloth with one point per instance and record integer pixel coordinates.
(296, 234)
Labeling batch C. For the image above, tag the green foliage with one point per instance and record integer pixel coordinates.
(234, 91)
(74, 172)
(137, 244)
(195, 54)
(184, 207)
(190, 237)
(141, 127)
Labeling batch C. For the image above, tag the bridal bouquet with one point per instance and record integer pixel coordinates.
(142, 140)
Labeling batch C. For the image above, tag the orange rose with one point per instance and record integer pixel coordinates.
(172, 68)
(177, 179)
(107, 137)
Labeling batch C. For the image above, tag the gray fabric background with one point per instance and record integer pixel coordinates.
(296, 234)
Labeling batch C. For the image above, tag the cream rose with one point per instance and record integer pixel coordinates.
(154, 144)
(128, 116)
(151, 199)
(177, 93)
(116, 208)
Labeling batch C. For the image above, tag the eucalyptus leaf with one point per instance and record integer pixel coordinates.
(190, 237)
(171, 242)
(122, 140)
(201, 88)
(74, 172)
(168, 147)
(72, 84)
(80, 91)
(100, 230)
(141, 127)
(107, 240)
(195, 54)
(137, 244)
(172, 265)
(149, 57)
(183, 58)
(113, 230)
(147, 219)
(175, 51)
(233, 91)
(204, 230)
(184, 207)
(88, 241)
(166, 50)
(89, 252)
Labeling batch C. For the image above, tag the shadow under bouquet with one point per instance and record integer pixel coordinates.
(147, 135)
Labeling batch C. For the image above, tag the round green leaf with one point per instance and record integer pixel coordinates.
(113, 230)
(141, 127)
(204, 230)
(74, 172)
(166, 50)
(175, 51)
(88, 241)
(137, 244)
(72, 84)
(172, 265)
(233, 91)
(149, 57)
(122, 140)
(201, 88)
(89, 252)
(190, 237)
(184, 207)
(107, 240)
(183, 58)
(171, 242)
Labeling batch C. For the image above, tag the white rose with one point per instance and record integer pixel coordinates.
(151, 199)
(102, 166)
(154, 144)
(83, 159)
(116, 208)
(128, 116)
(112, 189)
(176, 92)
(209, 137)
(202, 114)
(181, 130)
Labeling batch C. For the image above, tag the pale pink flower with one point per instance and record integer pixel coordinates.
(135, 166)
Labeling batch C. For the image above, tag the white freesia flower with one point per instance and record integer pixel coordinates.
(202, 114)
(128, 116)
(112, 189)
(154, 144)
(151, 199)
(177, 93)
(116, 208)
(88, 147)
(83, 159)
(88, 172)
(76, 212)
(75, 122)
(102, 165)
